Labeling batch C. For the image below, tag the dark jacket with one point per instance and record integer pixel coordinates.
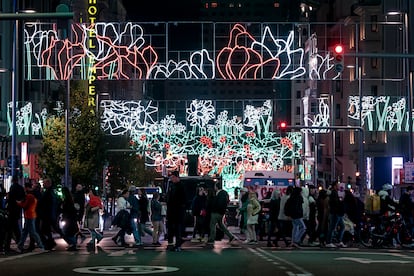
(79, 200)
(406, 205)
(143, 209)
(176, 201)
(156, 210)
(274, 207)
(296, 201)
(16, 192)
(336, 206)
(220, 202)
(134, 211)
(69, 216)
(199, 203)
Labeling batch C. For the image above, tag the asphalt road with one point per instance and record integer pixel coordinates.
(196, 259)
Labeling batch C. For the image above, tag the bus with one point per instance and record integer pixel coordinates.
(263, 182)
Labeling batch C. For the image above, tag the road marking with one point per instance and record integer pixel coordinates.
(125, 269)
(11, 258)
(370, 261)
(265, 255)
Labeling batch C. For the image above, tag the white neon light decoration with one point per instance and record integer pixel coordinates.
(227, 146)
(383, 113)
(122, 51)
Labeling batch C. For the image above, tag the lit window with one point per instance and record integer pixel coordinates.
(214, 5)
(276, 4)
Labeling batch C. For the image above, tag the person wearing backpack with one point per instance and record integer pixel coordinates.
(294, 209)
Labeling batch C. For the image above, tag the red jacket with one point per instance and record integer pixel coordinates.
(29, 206)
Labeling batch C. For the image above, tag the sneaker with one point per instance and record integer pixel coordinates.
(294, 245)
(231, 239)
(195, 240)
(341, 244)
(246, 241)
(330, 245)
(252, 242)
(312, 244)
(177, 249)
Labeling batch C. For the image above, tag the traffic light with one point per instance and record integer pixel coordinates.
(338, 53)
(282, 126)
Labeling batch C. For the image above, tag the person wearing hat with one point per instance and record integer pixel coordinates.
(406, 205)
(134, 214)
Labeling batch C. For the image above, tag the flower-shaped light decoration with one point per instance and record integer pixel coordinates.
(200, 66)
(200, 113)
(239, 60)
(279, 49)
(67, 54)
(125, 56)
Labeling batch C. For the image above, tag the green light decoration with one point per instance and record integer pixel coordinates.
(226, 146)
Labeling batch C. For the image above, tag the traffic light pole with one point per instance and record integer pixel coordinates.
(360, 129)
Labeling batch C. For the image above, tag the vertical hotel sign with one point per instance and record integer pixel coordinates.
(92, 13)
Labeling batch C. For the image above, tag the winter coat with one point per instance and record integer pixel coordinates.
(69, 216)
(91, 216)
(198, 205)
(220, 202)
(297, 203)
(156, 208)
(176, 203)
(282, 215)
(253, 209)
(336, 206)
(143, 209)
(305, 204)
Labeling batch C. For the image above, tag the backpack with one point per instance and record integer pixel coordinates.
(289, 207)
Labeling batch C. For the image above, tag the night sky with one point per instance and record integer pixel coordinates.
(162, 10)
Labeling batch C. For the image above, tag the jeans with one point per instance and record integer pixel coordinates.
(334, 222)
(94, 236)
(217, 218)
(298, 230)
(30, 229)
(135, 230)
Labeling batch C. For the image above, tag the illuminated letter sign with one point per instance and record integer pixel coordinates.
(92, 11)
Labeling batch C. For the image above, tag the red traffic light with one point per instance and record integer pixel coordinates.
(283, 125)
(338, 49)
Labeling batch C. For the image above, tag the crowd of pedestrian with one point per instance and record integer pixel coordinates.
(296, 216)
